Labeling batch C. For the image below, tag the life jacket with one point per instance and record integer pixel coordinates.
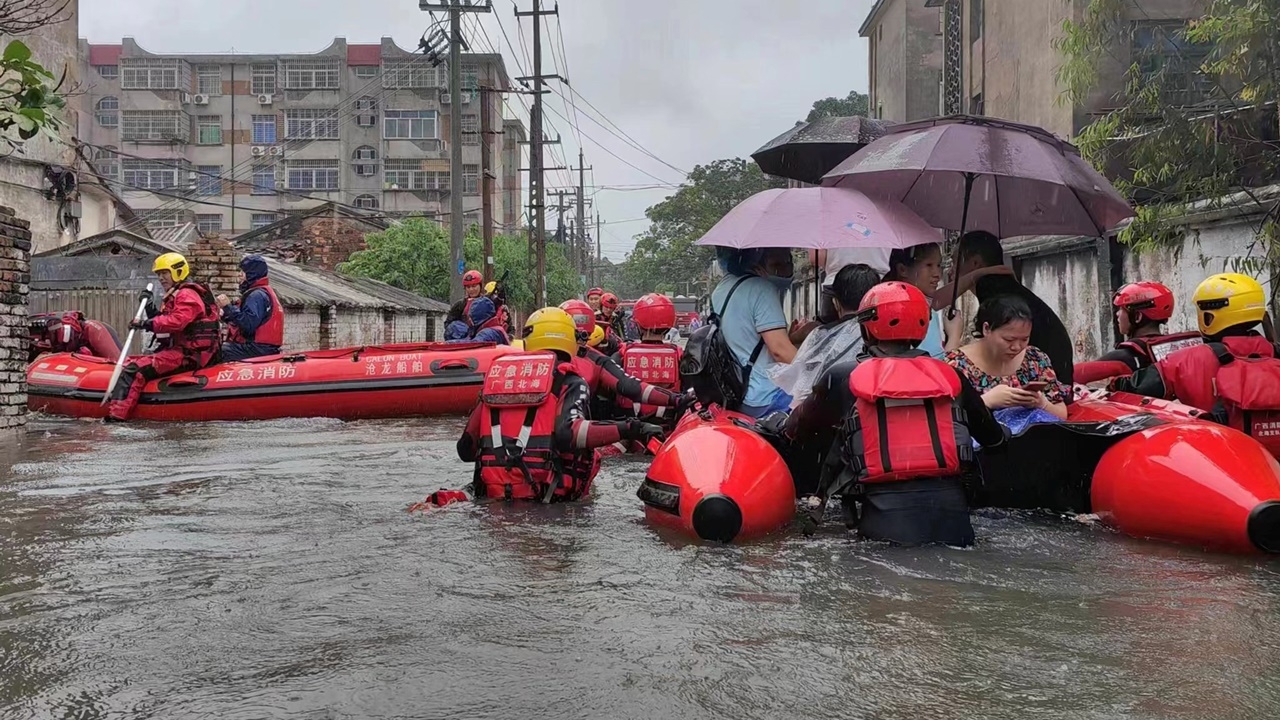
(517, 461)
(98, 340)
(1154, 348)
(271, 331)
(656, 364)
(202, 335)
(1238, 380)
(1190, 375)
(907, 422)
(499, 323)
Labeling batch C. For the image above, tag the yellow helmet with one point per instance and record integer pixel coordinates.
(1227, 300)
(597, 337)
(550, 329)
(175, 264)
(490, 287)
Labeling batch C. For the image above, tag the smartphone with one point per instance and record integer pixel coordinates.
(1038, 386)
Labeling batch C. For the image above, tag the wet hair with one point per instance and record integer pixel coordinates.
(909, 257)
(999, 311)
(983, 244)
(852, 283)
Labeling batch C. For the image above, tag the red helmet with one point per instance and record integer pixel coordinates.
(594, 291)
(472, 278)
(584, 318)
(609, 301)
(654, 312)
(64, 332)
(895, 311)
(1152, 299)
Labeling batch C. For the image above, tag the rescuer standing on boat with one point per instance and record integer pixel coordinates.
(1141, 309)
(531, 436)
(907, 421)
(255, 325)
(187, 328)
(1235, 374)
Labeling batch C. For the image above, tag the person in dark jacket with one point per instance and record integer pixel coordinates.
(255, 324)
(486, 325)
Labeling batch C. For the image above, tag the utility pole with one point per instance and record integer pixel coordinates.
(486, 180)
(581, 255)
(596, 264)
(536, 200)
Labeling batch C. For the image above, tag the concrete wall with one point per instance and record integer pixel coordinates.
(905, 45)
(923, 61)
(348, 326)
(1014, 64)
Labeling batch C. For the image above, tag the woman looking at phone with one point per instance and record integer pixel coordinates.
(1003, 365)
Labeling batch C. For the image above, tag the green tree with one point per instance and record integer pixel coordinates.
(855, 104)
(414, 255)
(1191, 119)
(29, 100)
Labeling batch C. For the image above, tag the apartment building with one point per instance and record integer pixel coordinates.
(236, 142)
(513, 139)
(1000, 59)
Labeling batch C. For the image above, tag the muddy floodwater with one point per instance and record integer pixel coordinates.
(270, 570)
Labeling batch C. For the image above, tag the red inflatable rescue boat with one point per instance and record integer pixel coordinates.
(718, 479)
(387, 381)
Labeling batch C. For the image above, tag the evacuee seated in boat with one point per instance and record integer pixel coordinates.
(980, 250)
(472, 287)
(72, 333)
(609, 383)
(531, 436)
(255, 324)
(457, 331)
(485, 323)
(1235, 373)
(186, 327)
(651, 358)
(1142, 308)
(908, 422)
(1014, 377)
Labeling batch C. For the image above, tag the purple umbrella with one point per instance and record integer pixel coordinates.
(972, 173)
(819, 218)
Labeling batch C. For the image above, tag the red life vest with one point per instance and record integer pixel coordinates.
(1189, 375)
(656, 364)
(202, 335)
(271, 331)
(1238, 380)
(99, 341)
(1154, 348)
(499, 323)
(520, 402)
(907, 421)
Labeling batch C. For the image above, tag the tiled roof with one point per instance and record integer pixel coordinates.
(104, 54)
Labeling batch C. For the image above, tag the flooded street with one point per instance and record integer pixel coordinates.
(270, 571)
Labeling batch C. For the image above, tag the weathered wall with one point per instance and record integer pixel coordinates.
(1069, 282)
(15, 254)
(923, 61)
(1014, 65)
(301, 329)
(317, 241)
(216, 263)
(888, 54)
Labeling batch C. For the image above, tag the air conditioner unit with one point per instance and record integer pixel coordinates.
(265, 99)
(185, 98)
(445, 98)
(259, 150)
(366, 170)
(366, 120)
(275, 150)
(200, 99)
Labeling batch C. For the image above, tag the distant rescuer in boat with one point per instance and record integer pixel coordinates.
(1141, 309)
(472, 288)
(1235, 374)
(255, 325)
(187, 328)
(531, 436)
(907, 421)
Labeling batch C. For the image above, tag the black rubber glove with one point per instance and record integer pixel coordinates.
(147, 324)
(685, 402)
(641, 431)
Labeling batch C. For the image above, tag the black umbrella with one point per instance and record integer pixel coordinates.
(808, 151)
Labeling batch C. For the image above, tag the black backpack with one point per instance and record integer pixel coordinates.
(708, 366)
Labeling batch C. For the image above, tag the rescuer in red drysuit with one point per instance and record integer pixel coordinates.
(1235, 374)
(187, 326)
(74, 334)
(1141, 309)
(907, 421)
(531, 436)
(652, 359)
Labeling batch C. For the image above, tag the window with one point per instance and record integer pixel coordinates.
(311, 124)
(209, 80)
(409, 175)
(1165, 57)
(311, 75)
(210, 223)
(365, 152)
(148, 175)
(108, 112)
(409, 125)
(208, 180)
(367, 103)
(470, 129)
(261, 220)
(263, 80)
(264, 129)
(368, 202)
(154, 125)
(161, 218)
(154, 74)
(975, 20)
(366, 112)
(106, 161)
(470, 77)
(471, 179)
(411, 74)
(209, 130)
(365, 157)
(108, 72)
(313, 175)
(366, 71)
(264, 179)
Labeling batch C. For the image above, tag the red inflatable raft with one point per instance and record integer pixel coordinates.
(348, 383)
(717, 479)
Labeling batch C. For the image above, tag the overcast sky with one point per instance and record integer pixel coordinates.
(691, 81)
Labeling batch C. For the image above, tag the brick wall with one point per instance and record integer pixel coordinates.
(15, 277)
(216, 263)
(302, 329)
(331, 242)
